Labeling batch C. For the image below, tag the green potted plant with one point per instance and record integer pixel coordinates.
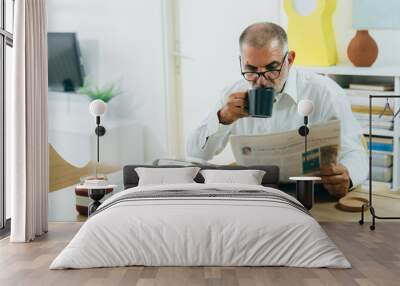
(105, 93)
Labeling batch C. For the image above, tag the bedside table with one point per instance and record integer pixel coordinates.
(305, 190)
(86, 207)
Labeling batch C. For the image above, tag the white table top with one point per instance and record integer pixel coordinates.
(85, 187)
(305, 178)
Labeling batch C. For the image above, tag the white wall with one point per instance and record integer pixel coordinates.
(71, 133)
(121, 41)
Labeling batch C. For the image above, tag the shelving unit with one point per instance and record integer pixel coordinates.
(344, 75)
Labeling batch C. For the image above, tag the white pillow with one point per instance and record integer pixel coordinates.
(162, 176)
(248, 177)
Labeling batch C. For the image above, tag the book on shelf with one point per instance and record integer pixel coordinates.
(379, 139)
(381, 174)
(380, 147)
(374, 87)
(375, 117)
(378, 121)
(376, 110)
(381, 159)
(376, 124)
(380, 144)
(378, 132)
(364, 101)
(367, 93)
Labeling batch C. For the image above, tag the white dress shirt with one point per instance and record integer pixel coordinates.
(330, 102)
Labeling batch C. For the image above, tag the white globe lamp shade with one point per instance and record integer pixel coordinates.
(97, 107)
(305, 107)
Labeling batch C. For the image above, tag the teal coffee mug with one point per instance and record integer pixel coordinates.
(260, 101)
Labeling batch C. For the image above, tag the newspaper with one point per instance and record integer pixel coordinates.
(286, 149)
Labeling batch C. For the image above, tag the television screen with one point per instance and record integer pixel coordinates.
(66, 71)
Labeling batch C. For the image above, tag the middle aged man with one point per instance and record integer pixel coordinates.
(266, 61)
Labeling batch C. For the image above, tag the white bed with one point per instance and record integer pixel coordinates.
(206, 230)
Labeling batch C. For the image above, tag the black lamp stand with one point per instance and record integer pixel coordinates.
(305, 188)
(97, 194)
(100, 131)
(303, 131)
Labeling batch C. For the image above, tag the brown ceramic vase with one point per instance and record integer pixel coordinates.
(362, 50)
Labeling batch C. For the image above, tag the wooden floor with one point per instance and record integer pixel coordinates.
(374, 255)
(328, 211)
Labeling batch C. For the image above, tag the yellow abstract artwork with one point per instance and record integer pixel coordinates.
(312, 36)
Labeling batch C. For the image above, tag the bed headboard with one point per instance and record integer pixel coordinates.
(270, 179)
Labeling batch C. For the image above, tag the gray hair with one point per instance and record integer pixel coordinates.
(258, 35)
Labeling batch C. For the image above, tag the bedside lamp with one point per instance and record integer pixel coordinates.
(305, 107)
(98, 108)
(97, 187)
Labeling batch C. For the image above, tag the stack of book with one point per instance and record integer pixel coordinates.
(382, 109)
(372, 87)
(382, 122)
(382, 158)
(379, 143)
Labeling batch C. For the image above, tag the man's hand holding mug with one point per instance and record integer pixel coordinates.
(257, 102)
(234, 108)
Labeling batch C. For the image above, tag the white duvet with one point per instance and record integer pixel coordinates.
(200, 231)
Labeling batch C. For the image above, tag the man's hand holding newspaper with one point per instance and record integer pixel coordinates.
(286, 150)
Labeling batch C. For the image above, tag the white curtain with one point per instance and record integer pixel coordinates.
(28, 148)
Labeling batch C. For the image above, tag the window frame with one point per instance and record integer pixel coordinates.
(6, 39)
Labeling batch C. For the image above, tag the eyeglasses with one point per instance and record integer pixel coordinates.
(271, 74)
